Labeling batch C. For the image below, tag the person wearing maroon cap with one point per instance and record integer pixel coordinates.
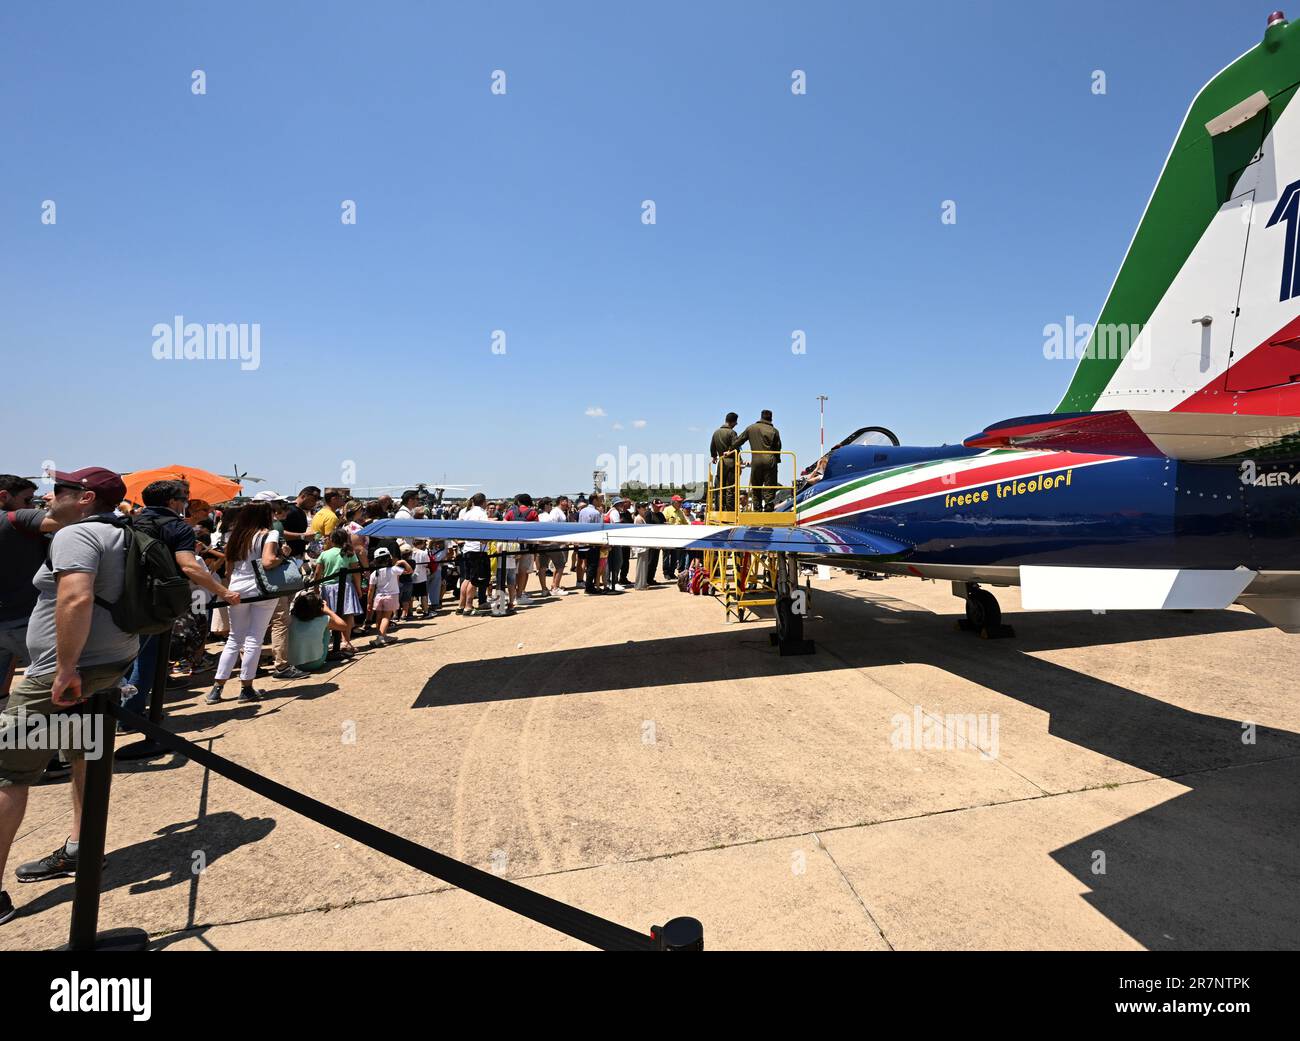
(75, 650)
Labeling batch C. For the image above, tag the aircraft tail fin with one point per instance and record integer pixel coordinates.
(1204, 315)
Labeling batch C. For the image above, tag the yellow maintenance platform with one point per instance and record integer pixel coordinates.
(743, 581)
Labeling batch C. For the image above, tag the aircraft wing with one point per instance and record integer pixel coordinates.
(822, 540)
(1191, 436)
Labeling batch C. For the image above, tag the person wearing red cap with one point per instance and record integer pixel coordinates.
(74, 648)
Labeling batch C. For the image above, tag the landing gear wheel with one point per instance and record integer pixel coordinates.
(984, 615)
(788, 638)
(982, 610)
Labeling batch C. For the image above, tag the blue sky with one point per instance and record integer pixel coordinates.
(522, 212)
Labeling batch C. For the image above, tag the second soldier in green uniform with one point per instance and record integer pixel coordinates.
(764, 441)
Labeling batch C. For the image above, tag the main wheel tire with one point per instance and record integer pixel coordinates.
(982, 610)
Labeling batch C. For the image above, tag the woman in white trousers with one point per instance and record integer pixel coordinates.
(251, 541)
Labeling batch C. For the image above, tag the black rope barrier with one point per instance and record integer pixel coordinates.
(678, 934)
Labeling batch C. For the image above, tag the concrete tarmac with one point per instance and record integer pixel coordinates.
(1115, 781)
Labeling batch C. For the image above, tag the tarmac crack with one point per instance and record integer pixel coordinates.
(852, 889)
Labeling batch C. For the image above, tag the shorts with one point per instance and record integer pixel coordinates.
(420, 589)
(474, 568)
(527, 563)
(555, 560)
(31, 697)
(385, 602)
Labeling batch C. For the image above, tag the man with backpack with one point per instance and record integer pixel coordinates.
(76, 647)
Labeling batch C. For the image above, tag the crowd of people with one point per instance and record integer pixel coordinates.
(101, 594)
(292, 581)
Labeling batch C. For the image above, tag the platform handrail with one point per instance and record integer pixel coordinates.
(718, 492)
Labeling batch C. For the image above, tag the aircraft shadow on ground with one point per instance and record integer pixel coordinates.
(1211, 868)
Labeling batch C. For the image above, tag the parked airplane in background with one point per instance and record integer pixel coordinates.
(430, 494)
(1169, 474)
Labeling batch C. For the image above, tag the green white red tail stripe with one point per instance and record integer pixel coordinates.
(1216, 242)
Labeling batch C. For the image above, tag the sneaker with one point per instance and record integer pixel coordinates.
(523, 600)
(214, 695)
(289, 672)
(378, 641)
(619, 588)
(7, 909)
(56, 865)
(57, 770)
(559, 592)
(248, 696)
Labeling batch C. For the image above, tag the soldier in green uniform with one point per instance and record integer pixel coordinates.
(721, 448)
(762, 437)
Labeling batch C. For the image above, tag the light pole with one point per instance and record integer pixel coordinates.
(821, 404)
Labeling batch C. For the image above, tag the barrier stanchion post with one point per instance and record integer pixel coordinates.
(680, 934)
(148, 748)
(84, 934)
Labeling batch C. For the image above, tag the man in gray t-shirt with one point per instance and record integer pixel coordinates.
(76, 650)
(95, 547)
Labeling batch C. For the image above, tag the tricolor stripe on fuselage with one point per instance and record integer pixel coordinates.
(905, 484)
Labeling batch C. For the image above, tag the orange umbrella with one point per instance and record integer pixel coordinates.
(203, 484)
